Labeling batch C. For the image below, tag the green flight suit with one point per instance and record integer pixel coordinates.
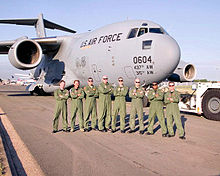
(90, 106)
(76, 107)
(173, 112)
(61, 97)
(119, 106)
(136, 107)
(156, 109)
(105, 105)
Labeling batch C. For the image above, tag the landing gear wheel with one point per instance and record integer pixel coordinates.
(211, 105)
(38, 92)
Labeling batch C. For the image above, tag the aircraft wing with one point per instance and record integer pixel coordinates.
(47, 44)
(5, 46)
(33, 22)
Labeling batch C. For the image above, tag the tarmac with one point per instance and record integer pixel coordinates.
(27, 124)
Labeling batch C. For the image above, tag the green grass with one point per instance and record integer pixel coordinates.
(2, 168)
(184, 89)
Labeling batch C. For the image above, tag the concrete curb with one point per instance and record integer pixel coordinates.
(20, 159)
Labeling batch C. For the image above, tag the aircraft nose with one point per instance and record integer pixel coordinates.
(167, 54)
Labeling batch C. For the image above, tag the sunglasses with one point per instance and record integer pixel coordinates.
(137, 82)
(171, 85)
(90, 80)
(105, 78)
(154, 84)
(120, 80)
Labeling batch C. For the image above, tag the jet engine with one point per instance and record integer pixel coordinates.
(25, 54)
(184, 72)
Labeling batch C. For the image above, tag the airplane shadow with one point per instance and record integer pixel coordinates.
(11, 91)
(145, 121)
(19, 95)
(15, 164)
(16, 93)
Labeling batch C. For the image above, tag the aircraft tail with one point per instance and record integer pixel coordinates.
(40, 24)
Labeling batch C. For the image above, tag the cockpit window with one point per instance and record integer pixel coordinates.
(156, 30)
(146, 44)
(132, 33)
(144, 24)
(142, 31)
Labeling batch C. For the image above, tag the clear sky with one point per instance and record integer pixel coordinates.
(194, 24)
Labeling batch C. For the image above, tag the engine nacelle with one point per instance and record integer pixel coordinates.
(184, 72)
(25, 54)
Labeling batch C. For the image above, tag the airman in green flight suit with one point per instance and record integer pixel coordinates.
(77, 94)
(136, 94)
(156, 97)
(171, 100)
(119, 105)
(91, 92)
(105, 104)
(61, 95)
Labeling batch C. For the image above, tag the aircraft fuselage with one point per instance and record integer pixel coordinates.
(131, 49)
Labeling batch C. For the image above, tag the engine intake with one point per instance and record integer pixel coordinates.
(184, 72)
(25, 54)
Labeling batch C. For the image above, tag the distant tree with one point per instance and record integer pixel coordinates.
(201, 80)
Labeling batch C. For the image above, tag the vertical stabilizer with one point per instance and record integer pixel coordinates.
(40, 30)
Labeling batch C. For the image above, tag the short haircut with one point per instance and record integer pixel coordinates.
(137, 79)
(76, 81)
(171, 82)
(105, 77)
(120, 78)
(62, 81)
(90, 78)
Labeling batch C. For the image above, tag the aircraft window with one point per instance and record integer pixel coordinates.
(132, 33)
(156, 30)
(144, 24)
(142, 31)
(146, 44)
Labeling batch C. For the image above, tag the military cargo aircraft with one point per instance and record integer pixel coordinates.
(131, 49)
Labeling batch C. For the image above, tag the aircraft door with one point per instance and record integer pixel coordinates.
(82, 67)
(95, 73)
(53, 72)
(129, 72)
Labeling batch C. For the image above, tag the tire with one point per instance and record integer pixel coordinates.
(38, 92)
(211, 104)
(33, 93)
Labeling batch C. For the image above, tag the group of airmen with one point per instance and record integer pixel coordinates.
(107, 117)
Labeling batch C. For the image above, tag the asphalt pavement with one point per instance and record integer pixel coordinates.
(97, 153)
